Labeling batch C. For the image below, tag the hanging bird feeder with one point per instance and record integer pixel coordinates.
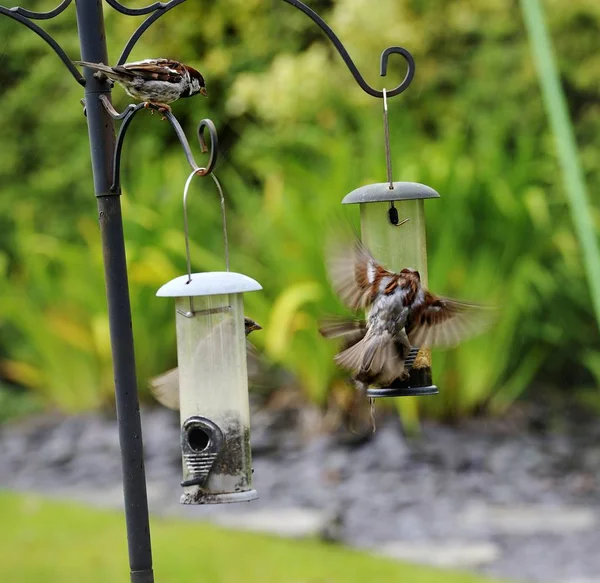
(213, 383)
(384, 207)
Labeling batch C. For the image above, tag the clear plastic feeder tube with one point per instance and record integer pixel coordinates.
(213, 383)
(213, 386)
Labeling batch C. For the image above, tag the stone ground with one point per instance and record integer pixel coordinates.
(514, 498)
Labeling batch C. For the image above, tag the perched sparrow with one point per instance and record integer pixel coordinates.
(156, 81)
(402, 314)
(165, 387)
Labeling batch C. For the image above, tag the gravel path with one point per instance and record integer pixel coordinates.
(513, 499)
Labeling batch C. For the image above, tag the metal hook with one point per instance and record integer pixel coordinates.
(410, 61)
(127, 116)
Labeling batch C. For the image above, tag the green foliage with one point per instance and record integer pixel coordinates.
(63, 543)
(566, 146)
(294, 141)
(16, 403)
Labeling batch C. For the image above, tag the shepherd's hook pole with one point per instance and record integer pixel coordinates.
(90, 24)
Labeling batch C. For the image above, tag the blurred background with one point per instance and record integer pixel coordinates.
(296, 135)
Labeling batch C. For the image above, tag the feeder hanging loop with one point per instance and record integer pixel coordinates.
(386, 130)
(393, 211)
(201, 172)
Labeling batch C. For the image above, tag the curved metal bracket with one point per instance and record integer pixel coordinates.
(158, 9)
(137, 11)
(41, 15)
(127, 117)
(26, 16)
(410, 73)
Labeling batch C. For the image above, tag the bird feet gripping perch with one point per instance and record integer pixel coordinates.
(161, 108)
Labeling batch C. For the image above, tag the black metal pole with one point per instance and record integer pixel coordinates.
(90, 24)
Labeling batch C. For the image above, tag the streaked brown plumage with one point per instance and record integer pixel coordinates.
(156, 81)
(165, 387)
(402, 314)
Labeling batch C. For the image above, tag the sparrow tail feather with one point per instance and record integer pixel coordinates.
(376, 357)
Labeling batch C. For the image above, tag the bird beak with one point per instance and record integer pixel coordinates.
(203, 91)
(254, 327)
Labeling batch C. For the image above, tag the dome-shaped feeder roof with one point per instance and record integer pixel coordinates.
(381, 192)
(210, 283)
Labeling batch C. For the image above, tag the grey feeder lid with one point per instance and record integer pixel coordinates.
(381, 192)
(210, 283)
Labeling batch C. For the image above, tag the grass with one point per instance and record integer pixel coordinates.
(54, 542)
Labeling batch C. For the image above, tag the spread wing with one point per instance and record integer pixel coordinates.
(354, 273)
(165, 389)
(351, 331)
(152, 69)
(442, 322)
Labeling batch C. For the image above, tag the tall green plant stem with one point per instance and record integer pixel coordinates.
(562, 128)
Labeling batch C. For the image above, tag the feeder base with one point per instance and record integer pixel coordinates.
(417, 385)
(378, 393)
(199, 497)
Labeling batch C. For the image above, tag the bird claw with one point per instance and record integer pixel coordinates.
(160, 107)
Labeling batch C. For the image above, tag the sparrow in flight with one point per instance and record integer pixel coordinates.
(165, 387)
(401, 314)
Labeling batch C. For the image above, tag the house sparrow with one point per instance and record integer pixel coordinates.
(402, 314)
(165, 387)
(156, 81)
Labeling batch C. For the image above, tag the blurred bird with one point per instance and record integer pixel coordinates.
(165, 387)
(402, 314)
(156, 81)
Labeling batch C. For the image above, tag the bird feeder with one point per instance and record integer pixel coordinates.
(213, 384)
(384, 207)
(397, 248)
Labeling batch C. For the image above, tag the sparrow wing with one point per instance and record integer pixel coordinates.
(442, 322)
(165, 389)
(354, 273)
(153, 70)
(351, 331)
(254, 363)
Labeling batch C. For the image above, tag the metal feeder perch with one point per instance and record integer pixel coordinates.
(397, 248)
(213, 382)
